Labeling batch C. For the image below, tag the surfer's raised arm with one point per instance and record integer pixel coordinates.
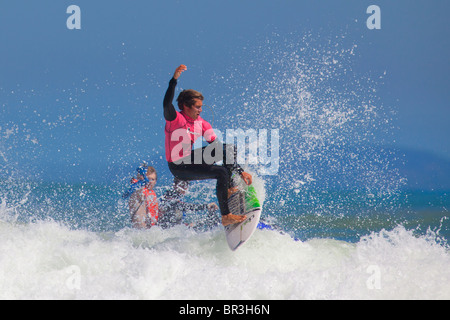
(170, 113)
(179, 71)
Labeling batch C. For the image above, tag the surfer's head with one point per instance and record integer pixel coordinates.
(191, 102)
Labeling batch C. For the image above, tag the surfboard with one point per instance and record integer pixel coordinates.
(243, 202)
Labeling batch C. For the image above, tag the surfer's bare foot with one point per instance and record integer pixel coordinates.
(232, 219)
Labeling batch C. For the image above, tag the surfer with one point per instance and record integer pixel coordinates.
(172, 209)
(142, 196)
(182, 129)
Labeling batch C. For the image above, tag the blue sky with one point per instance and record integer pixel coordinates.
(79, 101)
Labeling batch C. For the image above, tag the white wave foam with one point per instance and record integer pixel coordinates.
(48, 261)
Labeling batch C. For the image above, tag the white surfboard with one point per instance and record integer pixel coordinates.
(243, 202)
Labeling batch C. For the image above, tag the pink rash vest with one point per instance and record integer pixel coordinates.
(182, 133)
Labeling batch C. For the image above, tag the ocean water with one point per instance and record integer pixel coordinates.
(68, 242)
(345, 224)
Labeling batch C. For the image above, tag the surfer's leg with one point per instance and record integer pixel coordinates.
(191, 172)
(228, 156)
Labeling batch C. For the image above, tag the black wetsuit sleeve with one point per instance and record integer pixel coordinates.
(170, 113)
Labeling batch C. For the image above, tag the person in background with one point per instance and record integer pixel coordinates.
(143, 203)
(172, 209)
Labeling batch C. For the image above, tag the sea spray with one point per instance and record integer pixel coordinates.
(331, 120)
